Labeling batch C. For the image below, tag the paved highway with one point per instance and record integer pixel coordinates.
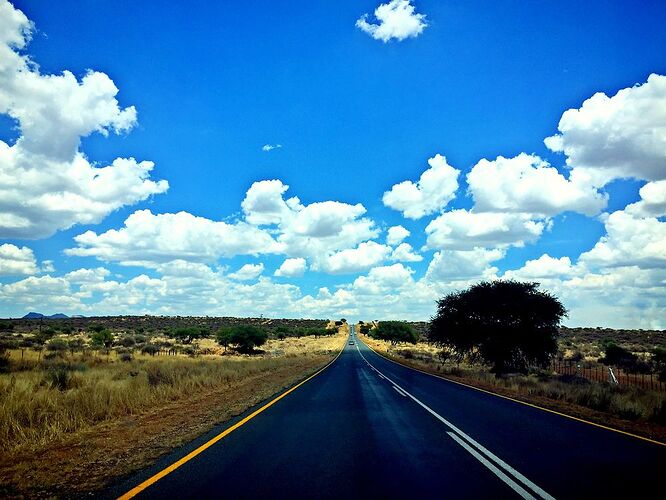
(367, 427)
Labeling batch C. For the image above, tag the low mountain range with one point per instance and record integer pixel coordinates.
(36, 315)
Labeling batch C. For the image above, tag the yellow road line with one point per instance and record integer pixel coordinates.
(168, 470)
(518, 400)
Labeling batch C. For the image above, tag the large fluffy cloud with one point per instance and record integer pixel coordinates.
(149, 239)
(463, 265)
(248, 272)
(652, 202)
(292, 268)
(264, 204)
(17, 261)
(352, 260)
(397, 19)
(526, 183)
(629, 241)
(435, 188)
(316, 232)
(465, 230)
(616, 137)
(396, 234)
(542, 268)
(46, 182)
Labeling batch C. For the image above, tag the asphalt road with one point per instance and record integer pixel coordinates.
(367, 427)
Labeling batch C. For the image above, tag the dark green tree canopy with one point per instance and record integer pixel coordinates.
(243, 337)
(509, 324)
(395, 332)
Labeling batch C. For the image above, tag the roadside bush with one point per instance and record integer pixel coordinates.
(4, 359)
(127, 341)
(188, 334)
(59, 377)
(102, 338)
(140, 339)
(126, 357)
(160, 375)
(57, 346)
(151, 349)
(406, 353)
(95, 327)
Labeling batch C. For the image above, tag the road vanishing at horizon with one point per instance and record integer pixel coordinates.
(368, 427)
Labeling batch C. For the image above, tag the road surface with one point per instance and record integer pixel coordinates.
(367, 427)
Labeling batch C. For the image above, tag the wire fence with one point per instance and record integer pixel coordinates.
(601, 373)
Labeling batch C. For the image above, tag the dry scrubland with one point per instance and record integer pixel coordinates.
(72, 420)
(630, 408)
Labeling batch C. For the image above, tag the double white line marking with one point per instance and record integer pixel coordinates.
(514, 479)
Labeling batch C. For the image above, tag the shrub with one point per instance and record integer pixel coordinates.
(127, 341)
(140, 339)
(95, 327)
(406, 353)
(126, 357)
(57, 346)
(4, 359)
(151, 349)
(59, 376)
(102, 338)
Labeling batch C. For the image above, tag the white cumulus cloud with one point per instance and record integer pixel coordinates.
(434, 190)
(629, 241)
(396, 234)
(248, 272)
(17, 261)
(46, 182)
(352, 260)
(652, 202)
(526, 183)
(397, 19)
(292, 268)
(150, 239)
(464, 230)
(405, 253)
(616, 137)
(543, 267)
(463, 265)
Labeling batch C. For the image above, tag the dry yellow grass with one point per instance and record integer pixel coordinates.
(63, 395)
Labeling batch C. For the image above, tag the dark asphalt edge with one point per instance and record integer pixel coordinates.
(122, 484)
(525, 403)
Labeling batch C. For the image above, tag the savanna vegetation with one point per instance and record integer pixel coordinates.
(506, 337)
(67, 382)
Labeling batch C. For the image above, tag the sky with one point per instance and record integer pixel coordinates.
(309, 159)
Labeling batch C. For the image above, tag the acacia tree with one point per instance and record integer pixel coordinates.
(395, 332)
(243, 337)
(509, 324)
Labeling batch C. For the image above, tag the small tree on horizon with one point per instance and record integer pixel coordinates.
(509, 324)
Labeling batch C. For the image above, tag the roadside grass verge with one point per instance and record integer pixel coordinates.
(628, 408)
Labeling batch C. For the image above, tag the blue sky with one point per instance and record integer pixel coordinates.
(358, 106)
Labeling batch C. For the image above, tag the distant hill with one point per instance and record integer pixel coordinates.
(34, 315)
